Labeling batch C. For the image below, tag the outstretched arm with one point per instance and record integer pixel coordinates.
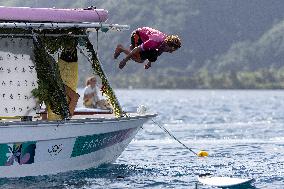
(129, 56)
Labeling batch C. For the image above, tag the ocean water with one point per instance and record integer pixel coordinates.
(243, 131)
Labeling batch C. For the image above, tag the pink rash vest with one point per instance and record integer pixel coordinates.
(151, 38)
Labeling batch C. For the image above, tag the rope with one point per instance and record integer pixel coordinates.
(171, 135)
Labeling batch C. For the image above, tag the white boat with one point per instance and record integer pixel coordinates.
(30, 143)
(45, 147)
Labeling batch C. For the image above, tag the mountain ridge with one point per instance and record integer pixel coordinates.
(226, 43)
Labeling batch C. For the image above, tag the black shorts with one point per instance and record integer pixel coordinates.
(136, 41)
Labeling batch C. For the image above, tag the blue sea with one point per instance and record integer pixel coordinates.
(242, 130)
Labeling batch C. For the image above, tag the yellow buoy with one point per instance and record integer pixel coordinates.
(202, 153)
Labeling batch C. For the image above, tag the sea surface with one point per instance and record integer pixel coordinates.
(242, 130)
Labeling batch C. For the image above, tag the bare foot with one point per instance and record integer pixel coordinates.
(117, 51)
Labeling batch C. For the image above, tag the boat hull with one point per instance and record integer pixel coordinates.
(67, 146)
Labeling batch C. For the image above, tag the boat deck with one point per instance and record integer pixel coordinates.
(78, 116)
(80, 113)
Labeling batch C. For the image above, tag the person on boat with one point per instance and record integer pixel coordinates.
(147, 44)
(91, 98)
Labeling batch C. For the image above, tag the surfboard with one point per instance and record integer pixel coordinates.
(224, 182)
(52, 14)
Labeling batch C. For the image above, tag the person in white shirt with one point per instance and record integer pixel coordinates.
(91, 98)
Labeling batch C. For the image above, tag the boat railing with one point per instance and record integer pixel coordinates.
(88, 26)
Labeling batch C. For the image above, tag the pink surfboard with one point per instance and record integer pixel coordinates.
(52, 14)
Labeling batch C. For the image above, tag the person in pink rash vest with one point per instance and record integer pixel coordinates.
(147, 44)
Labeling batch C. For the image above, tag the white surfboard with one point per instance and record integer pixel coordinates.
(223, 181)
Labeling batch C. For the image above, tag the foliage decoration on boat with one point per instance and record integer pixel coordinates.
(50, 85)
(59, 42)
(106, 88)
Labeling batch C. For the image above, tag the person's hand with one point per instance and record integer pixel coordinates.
(91, 95)
(147, 66)
(122, 63)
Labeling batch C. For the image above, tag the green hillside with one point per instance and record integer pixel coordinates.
(226, 43)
